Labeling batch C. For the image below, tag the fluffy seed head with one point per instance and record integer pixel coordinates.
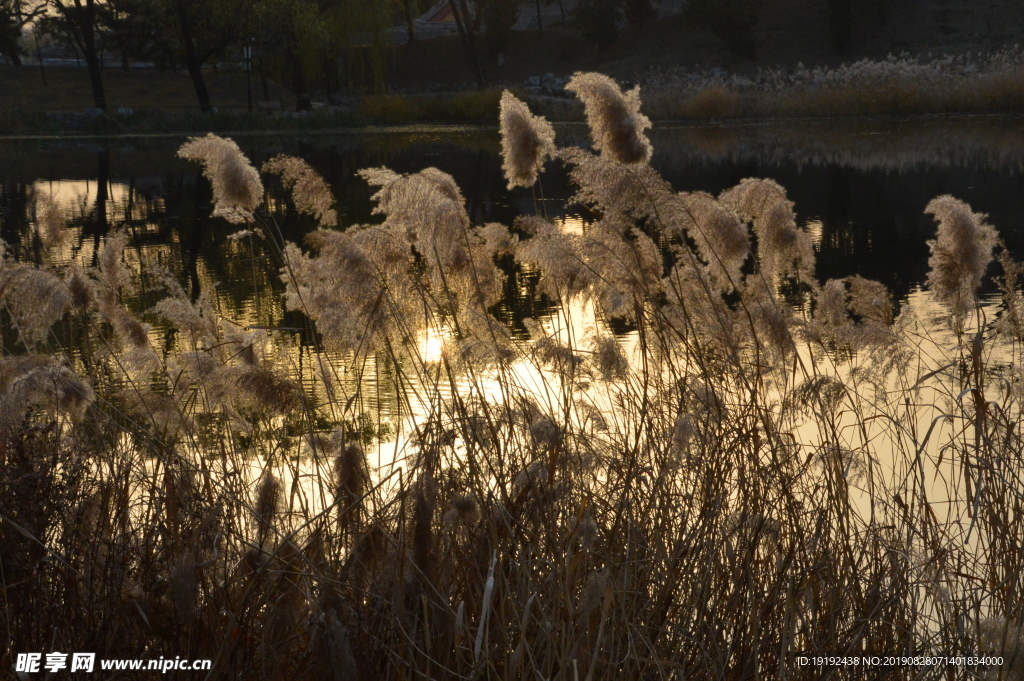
(721, 238)
(1004, 638)
(35, 299)
(588, 531)
(610, 358)
(34, 381)
(51, 222)
(351, 474)
(770, 318)
(870, 300)
(464, 509)
(783, 248)
(526, 141)
(310, 192)
(339, 649)
(237, 190)
(961, 253)
(268, 502)
(81, 288)
(593, 592)
(831, 303)
(614, 117)
(267, 391)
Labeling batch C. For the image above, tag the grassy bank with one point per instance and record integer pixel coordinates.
(460, 108)
(896, 86)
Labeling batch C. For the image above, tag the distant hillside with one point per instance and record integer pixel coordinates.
(790, 31)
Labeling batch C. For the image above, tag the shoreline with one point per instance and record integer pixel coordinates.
(456, 126)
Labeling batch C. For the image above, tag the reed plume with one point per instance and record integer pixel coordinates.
(635, 192)
(264, 390)
(771, 317)
(37, 382)
(1011, 321)
(526, 142)
(310, 192)
(960, 253)
(871, 300)
(1006, 640)
(267, 506)
(610, 359)
(627, 264)
(684, 483)
(614, 117)
(36, 300)
(720, 236)
(51, 222)
(351, 477)
(783, 248)
(111, 274)
(465, 510)
(81, 288)
(558, 256)
(237, 189)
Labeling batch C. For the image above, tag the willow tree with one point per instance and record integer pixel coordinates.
(354, 33)
(286, 30)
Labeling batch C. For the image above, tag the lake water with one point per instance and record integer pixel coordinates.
(860, 187)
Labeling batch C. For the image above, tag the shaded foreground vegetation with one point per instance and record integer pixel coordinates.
(764, 464)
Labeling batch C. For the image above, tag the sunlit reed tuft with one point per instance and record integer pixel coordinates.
(310, 192)
(688, 446)
(526, 142)
(237, 189)
(51, 222)
(960, 253)
(614, 117)
(783, 248)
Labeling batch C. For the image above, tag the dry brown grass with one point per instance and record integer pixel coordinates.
(689, 503)
(1000, 92)
(465, 107)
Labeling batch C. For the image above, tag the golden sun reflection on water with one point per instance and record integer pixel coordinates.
(574, 324)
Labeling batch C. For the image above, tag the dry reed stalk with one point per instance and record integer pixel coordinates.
(697, 504)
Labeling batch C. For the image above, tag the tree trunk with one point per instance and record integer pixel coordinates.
(262, 80)
(124, 56)
(540, 21)
(408, 21)
(477, 18)
(467, 46)
(472, 41)
(39, 56)
(20, 23)
(302, 102)
(192, 61)
(99, 97)
(85, 19)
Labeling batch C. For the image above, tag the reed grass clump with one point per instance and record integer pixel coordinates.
(766, 465)
(900, 84)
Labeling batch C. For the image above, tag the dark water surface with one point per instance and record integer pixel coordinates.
(860, 187)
